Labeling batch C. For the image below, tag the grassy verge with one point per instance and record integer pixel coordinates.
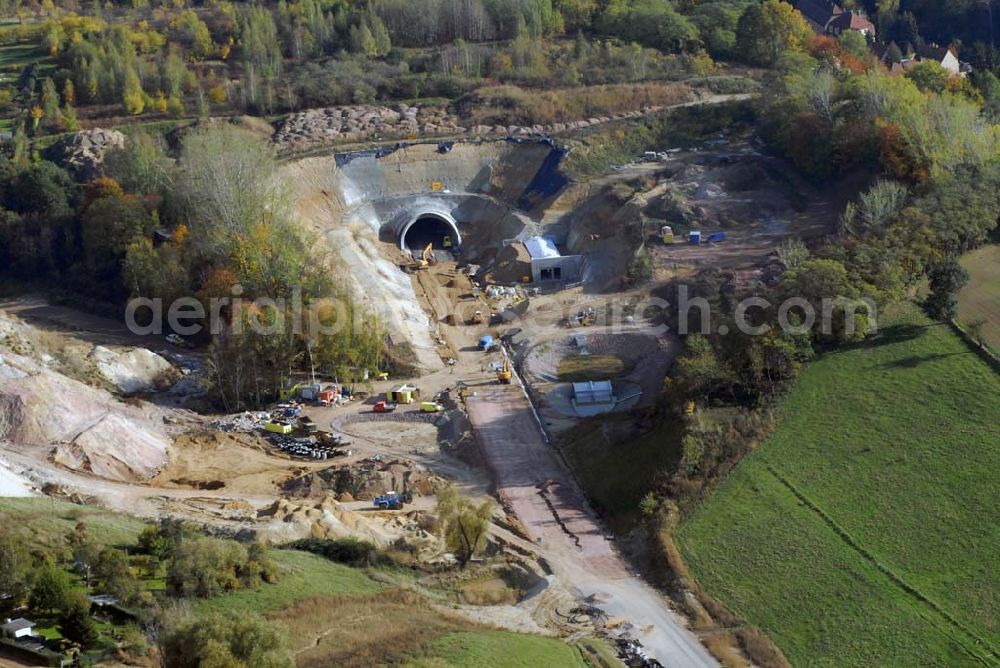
(499, 648)
(303, 575)
(616, 472)
(862, 533)
(50, 521)
(979, 301)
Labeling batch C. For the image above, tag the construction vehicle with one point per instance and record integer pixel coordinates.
(289, 392)
(385, 407)
(427, 257)
(390, 501)
(307, 425)
(278, 427)
(505, 373)
(431, 407)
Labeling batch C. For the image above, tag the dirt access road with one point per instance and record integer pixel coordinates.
(533, 483)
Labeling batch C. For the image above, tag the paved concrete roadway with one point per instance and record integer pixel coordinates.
(536, 486)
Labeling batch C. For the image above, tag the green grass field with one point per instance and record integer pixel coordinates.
(303, 575)
(501, 649)
(980, 299)
(866, 530)
(48, 521)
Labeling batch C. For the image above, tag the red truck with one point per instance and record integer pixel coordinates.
(385, 407)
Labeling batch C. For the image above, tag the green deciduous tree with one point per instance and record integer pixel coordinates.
(241, 640)
(75, 621)
(15, 566)
(465, 526)
(204, 567)
(49, 588)
(946, 279)
(929, 76)
(767, 31)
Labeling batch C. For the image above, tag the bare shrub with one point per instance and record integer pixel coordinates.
(760, 649)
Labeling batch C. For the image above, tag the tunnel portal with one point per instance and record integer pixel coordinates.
(429, 228)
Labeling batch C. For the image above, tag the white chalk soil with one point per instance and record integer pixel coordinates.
(12, 484)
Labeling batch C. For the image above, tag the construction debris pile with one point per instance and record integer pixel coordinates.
(364, 480)
(321, 127)
(631, 653)
(244, 422)
(317, 127)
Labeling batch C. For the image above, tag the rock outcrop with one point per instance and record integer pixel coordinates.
(82, 153)
(133, 370)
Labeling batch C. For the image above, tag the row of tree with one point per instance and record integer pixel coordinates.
(169, 61)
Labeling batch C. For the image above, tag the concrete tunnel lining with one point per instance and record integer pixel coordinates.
(443, 217)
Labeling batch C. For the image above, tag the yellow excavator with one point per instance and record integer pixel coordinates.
(427, 257)
(505, 373)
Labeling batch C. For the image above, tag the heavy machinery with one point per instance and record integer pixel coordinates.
(278, 427)
(425, 260)
(505, 373)
(384, 407)
(388, 501)
(431, 407)
(427, 257)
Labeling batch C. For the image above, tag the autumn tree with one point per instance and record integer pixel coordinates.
(133, 98)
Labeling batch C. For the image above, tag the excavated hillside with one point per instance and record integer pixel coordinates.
(488, 193)
(358, 204)
(79, 426)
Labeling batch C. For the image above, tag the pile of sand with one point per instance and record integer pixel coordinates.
(328, 518)
(363, 481)
(512, 264)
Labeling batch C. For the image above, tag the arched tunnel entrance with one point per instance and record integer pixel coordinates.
(429, 228)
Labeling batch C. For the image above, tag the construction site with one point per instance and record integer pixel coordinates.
(504, 285)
